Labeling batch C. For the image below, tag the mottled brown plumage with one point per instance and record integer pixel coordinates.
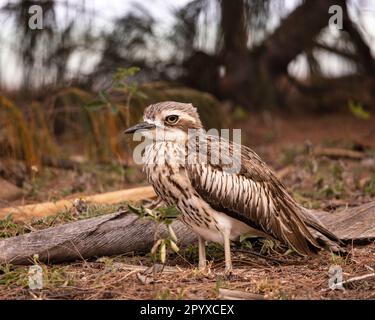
(227, 194)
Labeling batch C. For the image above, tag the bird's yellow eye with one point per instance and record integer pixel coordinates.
(172, 119)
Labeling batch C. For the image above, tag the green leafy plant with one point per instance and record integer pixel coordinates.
(164, 294)
(239, 113)
(11, 275)
(161, 216)
(358, 111)
(245, 241)
(9, 228)
(121, 81)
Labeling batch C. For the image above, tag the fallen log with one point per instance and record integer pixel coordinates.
(122, 233)
(351, 224)
(106, 235)
(39, 210)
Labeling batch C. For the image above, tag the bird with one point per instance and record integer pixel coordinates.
(222, 196)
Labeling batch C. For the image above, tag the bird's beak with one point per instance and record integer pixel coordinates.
(140, 126)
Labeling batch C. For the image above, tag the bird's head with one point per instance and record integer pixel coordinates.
(168, 120)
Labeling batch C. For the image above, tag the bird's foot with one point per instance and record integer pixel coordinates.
(228, 270)
(204, 270)
(230, 275)
(202, 265)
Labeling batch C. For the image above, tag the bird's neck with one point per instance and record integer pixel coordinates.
(179, 152)
(161, 153)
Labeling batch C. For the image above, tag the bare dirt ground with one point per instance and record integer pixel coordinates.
(288, 146)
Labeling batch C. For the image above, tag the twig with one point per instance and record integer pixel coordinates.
(228, 294)
(339, 153)
(359, 278)
(351, 280)
(259, 256)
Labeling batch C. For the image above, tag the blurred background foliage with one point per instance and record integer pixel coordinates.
(226, 57)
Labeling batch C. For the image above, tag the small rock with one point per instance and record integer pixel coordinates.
(9, 191)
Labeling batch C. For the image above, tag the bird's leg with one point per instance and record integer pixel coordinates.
(202, 253)
(228, 259)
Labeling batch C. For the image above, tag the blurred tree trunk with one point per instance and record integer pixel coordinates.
(252, 76)
(233, 26)
(295, 34)
(254, 83)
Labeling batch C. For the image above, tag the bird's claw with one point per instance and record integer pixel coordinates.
(229, 275)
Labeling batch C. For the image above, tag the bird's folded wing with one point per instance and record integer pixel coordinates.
(251, 194)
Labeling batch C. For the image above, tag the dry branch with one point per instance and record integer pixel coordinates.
(228, 294)
(339, 153)
(121, 233)
(26, 213)
(359, 278)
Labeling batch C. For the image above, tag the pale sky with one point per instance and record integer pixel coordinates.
(161, 10)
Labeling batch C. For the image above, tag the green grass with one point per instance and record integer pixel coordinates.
(17, 276)
(8, 228)
(370, 186)
(13, 276)
(164, 294)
